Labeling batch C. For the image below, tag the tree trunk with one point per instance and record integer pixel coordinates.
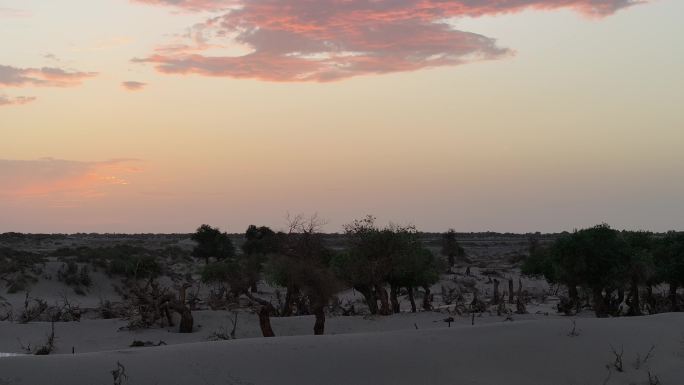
(186, 322)
(495, 298)
(319, 326)
(371, 299)
(396, 308)
(673, 297)
(290, 296)
(572, 292)
(650, 300)
(427, 306)
(265, 321)
(634, 305)
(452, 260)
(412, 299)
(599, 302)
(510, 291)
(381, 292)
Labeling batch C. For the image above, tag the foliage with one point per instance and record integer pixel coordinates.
(212, 243)
(451, 248)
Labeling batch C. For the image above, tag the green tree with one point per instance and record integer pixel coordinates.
(212, 243)
(377, 257)
(451, 248)
(669, 260)
(596, 258)
(302, 267)
(641, 267)
(260, 242)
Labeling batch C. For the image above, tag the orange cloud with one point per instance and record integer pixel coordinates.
(57, 180)
(325, 40)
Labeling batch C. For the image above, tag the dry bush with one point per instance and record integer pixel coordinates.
(34, 308)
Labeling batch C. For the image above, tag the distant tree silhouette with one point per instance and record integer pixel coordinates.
(450, 247)
(212, 243)
(641, 266)
(301, 265)
(669, 260)
(260, 242)
(596, 258)
(377, 257)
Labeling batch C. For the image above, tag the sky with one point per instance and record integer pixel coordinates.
(477, 115)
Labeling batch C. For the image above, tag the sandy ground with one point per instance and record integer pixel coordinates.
(406, 348)
(515, 353)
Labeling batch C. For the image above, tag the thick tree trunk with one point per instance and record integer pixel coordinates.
(394, 292)
(511, 299)
(599, 302)
(371, 300)
(650, 300)
(572, 292)
(265, 321)
(412, 299)
(674, 306)
(427, 305)
(186, 322)
(264, 310)
(381, 292)
(290, 297)
(319, 326)
(634, 305)
(495, 296)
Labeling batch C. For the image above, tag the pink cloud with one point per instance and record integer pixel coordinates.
(133, 85)
(41, 77)
(58, 180)
(326, 40)
(193, 5)
(13, 13)
(14, 101)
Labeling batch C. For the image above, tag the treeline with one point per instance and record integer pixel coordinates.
(375, 258)
(604, 268)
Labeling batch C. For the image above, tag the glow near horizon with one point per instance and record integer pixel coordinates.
(581, 125)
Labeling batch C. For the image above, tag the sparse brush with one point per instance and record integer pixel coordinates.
(119, 374)
(618, 358)
(574, 332)
(640, 362)
(653, 379)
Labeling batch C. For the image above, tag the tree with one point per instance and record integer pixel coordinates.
(596, 258)
(450, 247)
(212, 243)
(669, 260)
(641, 267)
(377, 257)
(415, 267)
(302, 266)
(260, 242)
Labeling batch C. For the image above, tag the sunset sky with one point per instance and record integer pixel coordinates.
(502, 115)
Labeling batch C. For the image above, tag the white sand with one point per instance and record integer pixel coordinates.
(512, 353)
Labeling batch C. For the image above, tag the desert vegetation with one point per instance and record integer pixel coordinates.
(213, 286)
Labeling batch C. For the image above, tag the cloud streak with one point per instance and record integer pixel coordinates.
(133, 85)
(327, 40)
(14, 101)
(57, 180)
(41, 77)
(13, 13)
